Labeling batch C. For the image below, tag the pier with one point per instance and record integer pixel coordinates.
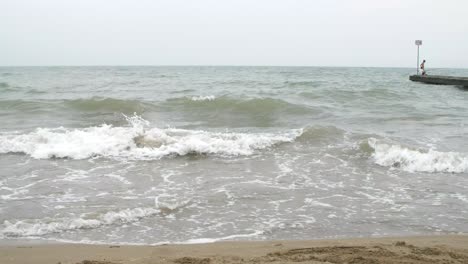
(441, 80)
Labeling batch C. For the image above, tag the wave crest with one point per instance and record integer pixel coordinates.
(303, 83)
(416, 160)
(107, 105)
(321, 134)
(203, 98)
(138, 141)
(253, 106)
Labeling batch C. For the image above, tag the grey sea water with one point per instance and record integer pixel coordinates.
(195, 154)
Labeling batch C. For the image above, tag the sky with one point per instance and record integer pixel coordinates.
(361, 33)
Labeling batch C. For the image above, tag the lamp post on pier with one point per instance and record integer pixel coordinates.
(418, 43)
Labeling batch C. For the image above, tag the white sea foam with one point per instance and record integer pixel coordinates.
(203, 98)
(137, 141)
(169, 204)
(416, 160)
(313, 202)
(181, 242)
(40, 227)
(212, 240)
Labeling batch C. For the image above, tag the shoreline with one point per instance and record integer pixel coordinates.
(404, 249)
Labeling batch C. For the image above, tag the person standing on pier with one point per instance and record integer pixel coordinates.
(422, 68)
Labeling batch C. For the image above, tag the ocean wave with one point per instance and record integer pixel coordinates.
(203, 98)
(248, 106)
(35, 91)
(416, 160)
(95, 104)
(107, 105)
(6, 87)
(303, 83)
(40, 227)
(323, 134)
(24, 106)
(138, 141)
(196, 104)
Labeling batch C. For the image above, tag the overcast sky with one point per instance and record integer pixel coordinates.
(233, 32)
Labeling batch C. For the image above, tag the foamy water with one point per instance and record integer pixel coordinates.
(203, 98)
(137, 142)
(418, 160)
(152, 155)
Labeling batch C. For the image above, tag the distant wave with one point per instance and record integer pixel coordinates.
(95, 104)
(303, 83)
(23, 105)
(416, 160)
(107, 104)
(35, 91)
(209, 103)
(137, 141)
(248, 106)
(203, 98)
(6, 87)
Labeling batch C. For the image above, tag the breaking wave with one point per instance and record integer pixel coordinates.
(138, 141)
(417, 160)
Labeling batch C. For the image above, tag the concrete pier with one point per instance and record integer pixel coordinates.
(438, 79)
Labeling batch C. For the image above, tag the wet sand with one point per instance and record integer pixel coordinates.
(427, 249)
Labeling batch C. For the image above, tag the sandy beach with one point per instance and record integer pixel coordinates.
(427, 249)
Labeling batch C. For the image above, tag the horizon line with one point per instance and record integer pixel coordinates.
(213, 65)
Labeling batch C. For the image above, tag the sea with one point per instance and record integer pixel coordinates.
(154, 155)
